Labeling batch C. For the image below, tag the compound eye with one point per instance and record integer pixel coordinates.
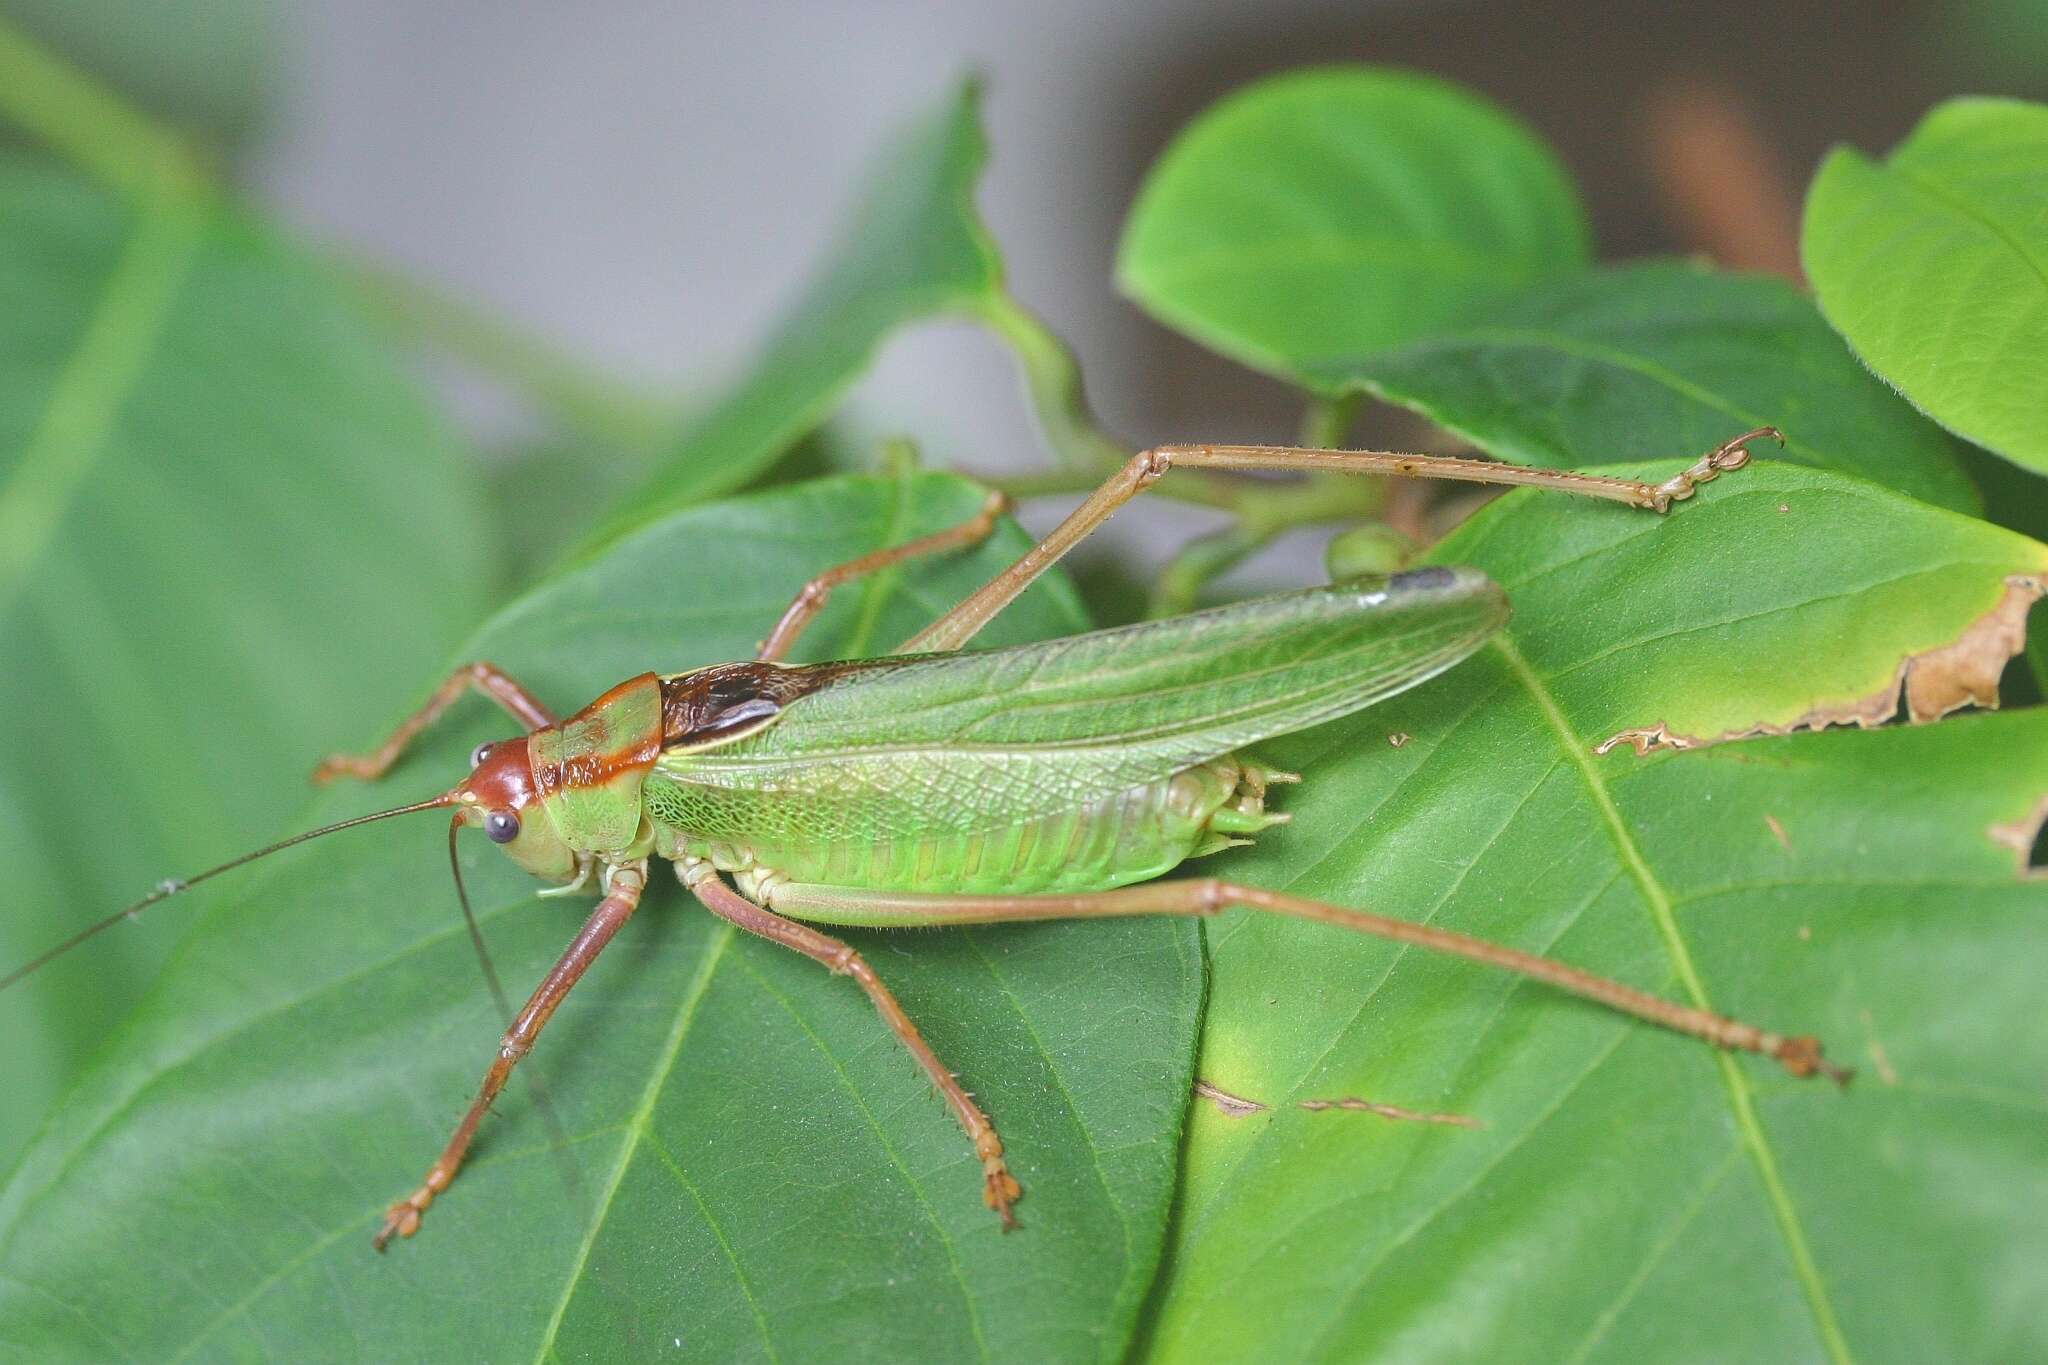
(478, 755)
(501, 826)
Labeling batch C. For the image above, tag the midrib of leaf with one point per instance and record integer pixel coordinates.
(739, 1269)
(1661, 912)
(636, 1128)
(1654, 1256)
(1935, 190)
(87, 397)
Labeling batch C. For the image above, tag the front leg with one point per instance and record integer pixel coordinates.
(999, 1189)
(486, 678)
(403, 1217)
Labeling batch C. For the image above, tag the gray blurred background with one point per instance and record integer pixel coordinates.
(645, 184)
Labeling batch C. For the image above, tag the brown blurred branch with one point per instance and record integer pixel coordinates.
(1721, 180)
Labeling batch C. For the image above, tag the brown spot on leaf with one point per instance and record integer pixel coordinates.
(1232, 1106)
(1777, 831)
(1932, 683)
(1389, 1111)
(2020, 836)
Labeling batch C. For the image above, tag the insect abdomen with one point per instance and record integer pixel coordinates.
(1129, 836)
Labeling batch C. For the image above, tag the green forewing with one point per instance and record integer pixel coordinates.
(978, 740)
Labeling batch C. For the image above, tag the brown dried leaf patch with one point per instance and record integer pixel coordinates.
(1931, 683)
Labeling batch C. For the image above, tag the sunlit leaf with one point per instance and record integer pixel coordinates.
(1934, 264)
(1328, 212)
(1628, 1193)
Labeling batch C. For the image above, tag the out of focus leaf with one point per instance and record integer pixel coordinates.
(913, 247)
(229, 530)
(764, 1173)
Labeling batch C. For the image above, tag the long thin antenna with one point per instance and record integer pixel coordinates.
(476, 933)
(172, 886)
(543, 1104)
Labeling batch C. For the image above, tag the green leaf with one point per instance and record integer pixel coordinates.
(913, 248)
(1628, 1189)
(1592, 363)
(1934, 265)
(763, 1172)
(228, 525)
(1336, 211)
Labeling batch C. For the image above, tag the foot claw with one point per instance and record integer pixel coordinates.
(342, 765)
(1732, 454)
(1802, 1057)
(400, 1220)
(1000, 1190)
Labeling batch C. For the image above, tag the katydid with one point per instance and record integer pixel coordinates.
(942, 786)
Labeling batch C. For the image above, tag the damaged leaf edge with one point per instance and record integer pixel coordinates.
(1933, 682)
(2019, 836)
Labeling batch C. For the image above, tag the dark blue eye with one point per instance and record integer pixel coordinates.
(478, 755)
(501, 826)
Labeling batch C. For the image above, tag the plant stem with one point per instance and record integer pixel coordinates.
(548, 376)
(1052, 380)
(1181, 581)
(1327, 423)
(84, 121)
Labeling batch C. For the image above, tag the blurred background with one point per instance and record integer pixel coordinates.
(644, 184)
(628, 194)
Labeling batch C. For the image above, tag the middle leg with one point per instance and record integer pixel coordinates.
(999, 1189)
(810, 599)
(403, 1218)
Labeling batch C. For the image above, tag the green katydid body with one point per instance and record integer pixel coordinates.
(1078, 764)
(1041, 781)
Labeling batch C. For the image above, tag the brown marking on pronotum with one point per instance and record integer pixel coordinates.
(2020, 836)
(1388, 1111)
(1932, 683)
(1777, 831)
(725, 701)
(1229, 1105)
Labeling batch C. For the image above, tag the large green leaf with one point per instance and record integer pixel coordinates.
(1934, 265)
(1630, 1194)
(764, 1174)
(227, 526)
(1328, 212)
(913, 248)
(1584, 367)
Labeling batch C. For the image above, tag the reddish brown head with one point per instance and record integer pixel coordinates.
(499, 797)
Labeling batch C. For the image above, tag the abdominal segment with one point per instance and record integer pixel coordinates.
(1127, 836)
